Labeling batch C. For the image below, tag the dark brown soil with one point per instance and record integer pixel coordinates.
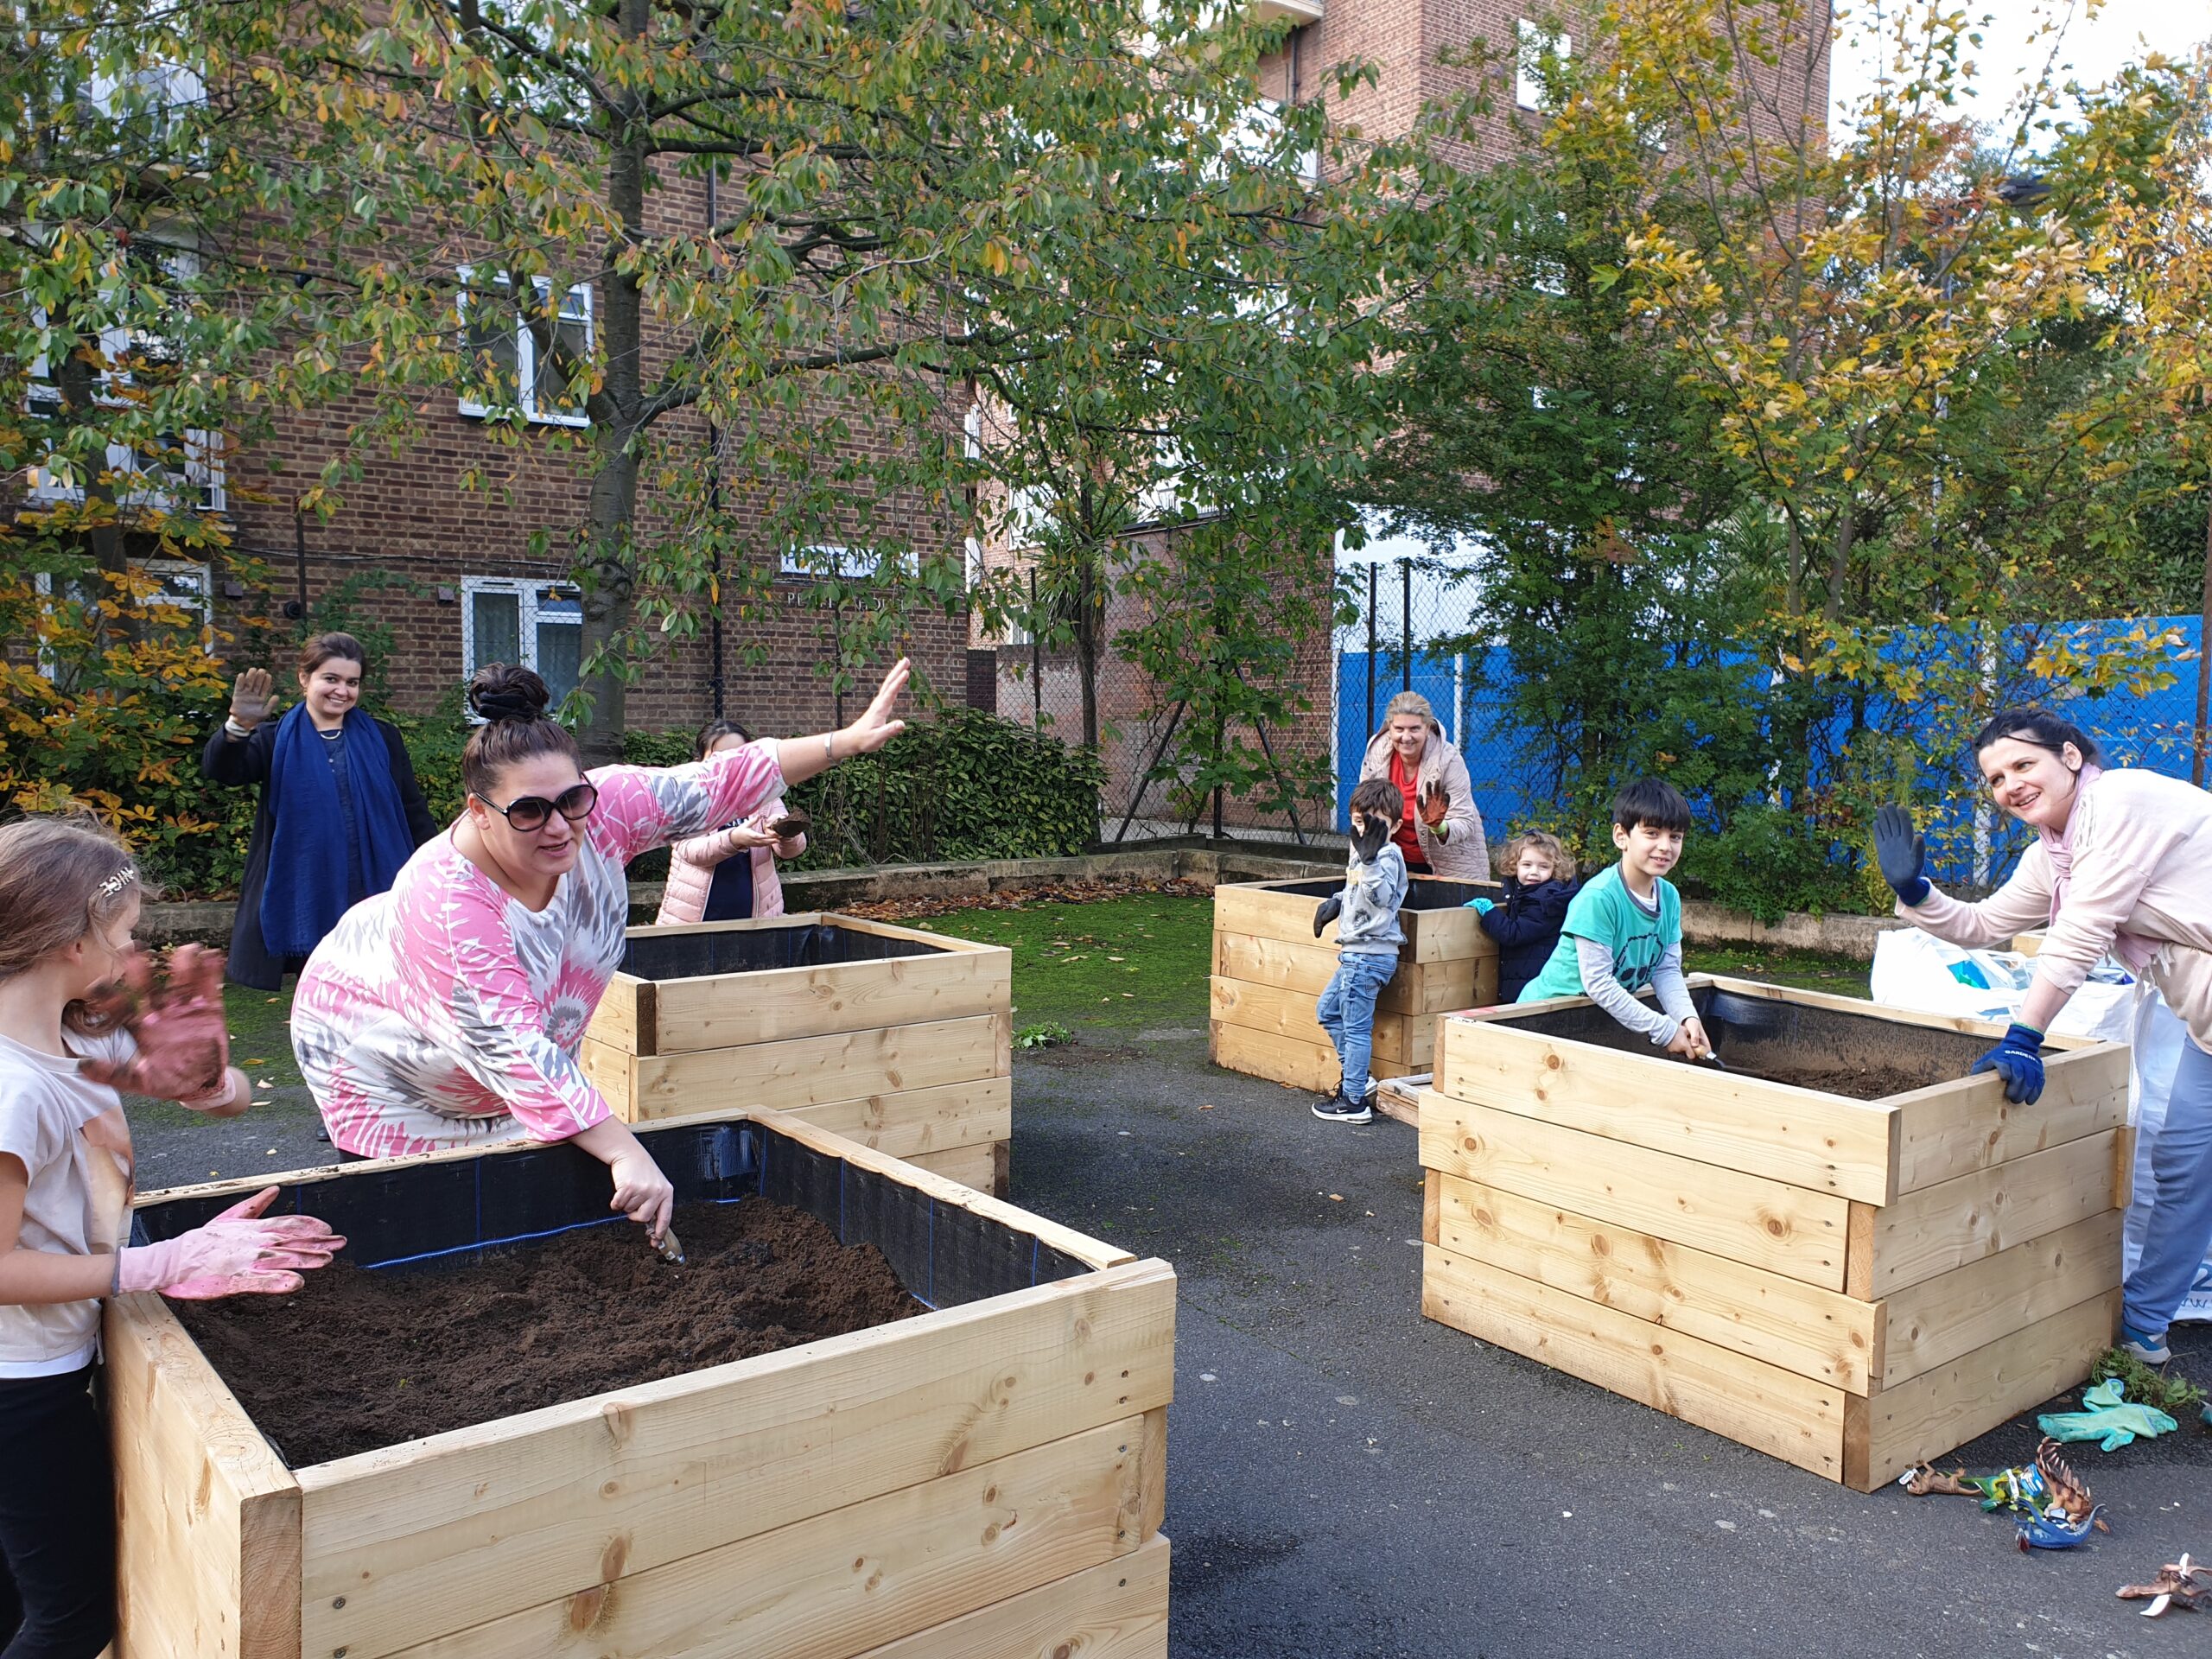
(1853, 1082)
(361, 1358)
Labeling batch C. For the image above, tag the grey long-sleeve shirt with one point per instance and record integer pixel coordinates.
(1368, 924)
(1659, 1024)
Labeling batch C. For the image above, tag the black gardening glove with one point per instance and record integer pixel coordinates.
(1901, 853)
(1368, 838)
(1331, 907)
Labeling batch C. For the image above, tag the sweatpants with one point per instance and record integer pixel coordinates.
(2178, 1235)
(57, 1519)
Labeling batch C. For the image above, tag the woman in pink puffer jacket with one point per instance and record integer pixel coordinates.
(707, 880)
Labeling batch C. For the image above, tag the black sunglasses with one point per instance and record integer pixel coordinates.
(528, 812)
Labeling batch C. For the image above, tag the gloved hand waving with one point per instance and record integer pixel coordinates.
(1901, 853)
(184, 1047)
(239, 1252)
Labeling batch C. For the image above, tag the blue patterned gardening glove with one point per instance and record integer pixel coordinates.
(1482, 907)
(2112, 1419)
(2018, 1060)
(1902, 855)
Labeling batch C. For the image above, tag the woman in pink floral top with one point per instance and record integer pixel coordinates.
(448, 1011)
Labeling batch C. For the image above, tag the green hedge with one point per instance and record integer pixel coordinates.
(963, 785)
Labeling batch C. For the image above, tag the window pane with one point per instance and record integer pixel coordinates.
(490, 326)
(557, 373)
(560, 650)
(496, 620)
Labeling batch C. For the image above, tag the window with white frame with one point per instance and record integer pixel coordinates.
(539, 625)
(506, 373)
(187, 588)
(1533, 40)
(173, 471)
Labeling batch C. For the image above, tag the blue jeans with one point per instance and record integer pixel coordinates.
(2180, 1229)
(1346, 1012)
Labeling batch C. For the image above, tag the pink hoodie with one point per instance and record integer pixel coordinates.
(2141, 847)
(691, 864)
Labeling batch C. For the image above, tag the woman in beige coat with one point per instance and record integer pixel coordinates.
(730, 873)
(1441, 833)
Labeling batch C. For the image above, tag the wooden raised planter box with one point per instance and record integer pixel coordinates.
(1851, 1285)
(1269, 972)
(986, 1478)
(899, 1039)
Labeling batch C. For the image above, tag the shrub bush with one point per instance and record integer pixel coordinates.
(1771, 860)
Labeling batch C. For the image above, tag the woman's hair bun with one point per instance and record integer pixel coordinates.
(508, 692)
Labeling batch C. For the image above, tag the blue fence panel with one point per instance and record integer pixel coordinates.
(1470, 693)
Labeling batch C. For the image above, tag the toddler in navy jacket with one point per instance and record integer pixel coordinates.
(1527, 922)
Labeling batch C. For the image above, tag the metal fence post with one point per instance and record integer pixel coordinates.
(1368, 729)
(1406, 625)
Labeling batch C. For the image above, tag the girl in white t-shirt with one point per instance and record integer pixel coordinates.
(80, 1017)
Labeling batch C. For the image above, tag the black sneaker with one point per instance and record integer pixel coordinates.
(1342, 1109)
(1320, 1102)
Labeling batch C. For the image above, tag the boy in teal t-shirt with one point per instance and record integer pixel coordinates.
(1624, 931)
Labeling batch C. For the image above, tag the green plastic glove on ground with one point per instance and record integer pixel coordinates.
(2112, 1420)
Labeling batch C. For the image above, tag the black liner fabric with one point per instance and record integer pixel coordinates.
(944, 1254)
(1744, 1029)
(752, 949)
(1422, 892)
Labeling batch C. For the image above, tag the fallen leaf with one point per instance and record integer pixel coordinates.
(1336, 1198)
(1206, 1106)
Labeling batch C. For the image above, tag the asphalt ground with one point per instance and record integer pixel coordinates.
(1349, 1480)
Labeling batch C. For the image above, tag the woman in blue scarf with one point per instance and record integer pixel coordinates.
(340, 811)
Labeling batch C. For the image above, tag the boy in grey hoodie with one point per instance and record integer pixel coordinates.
(1368, 937)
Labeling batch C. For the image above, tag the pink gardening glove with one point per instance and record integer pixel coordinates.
(184, 1047)
(235, 1254)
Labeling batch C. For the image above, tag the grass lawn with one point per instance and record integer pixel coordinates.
(1144, 960)
(1132, 962)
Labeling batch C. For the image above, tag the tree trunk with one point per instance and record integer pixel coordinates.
(618, 433)
(112, 621)
(1087, 630)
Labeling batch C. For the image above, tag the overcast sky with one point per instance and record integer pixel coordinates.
(2123, 31)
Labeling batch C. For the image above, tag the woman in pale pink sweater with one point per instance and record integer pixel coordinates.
(2121, 862)
(707, 881)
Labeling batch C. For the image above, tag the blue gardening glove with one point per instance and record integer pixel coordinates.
(1901, 853)
(2018, 1060)
(1331, 907)
(1482, 907)
(2111, 1419)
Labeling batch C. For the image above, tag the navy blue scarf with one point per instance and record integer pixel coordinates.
(307, 887)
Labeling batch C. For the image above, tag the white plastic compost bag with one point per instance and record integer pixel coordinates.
(1913, 969)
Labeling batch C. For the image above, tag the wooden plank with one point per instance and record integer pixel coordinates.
(1748, 1218)
(624, 1019)
(1800, 1327)
(918, 935)
(1117, 1610)
(614, 1072)
(1311, 1066)
(913, 1121)
(1955, 1129)
(209, 1518)
(975, 1165)
(1285, 965)
(1453, 935)
(1953, 1313)
(1067, 1240)
(1264, 914)
(1758, 1405)
(427, 1538)
(1859, 1252)
(816, 1071)
(723, 1011)
(1946, 1407)
(1432, 1207)
(858, 1577)
(1262, 1009)
(1405, 1038)
(1815, 1140)
(1947, 1225)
